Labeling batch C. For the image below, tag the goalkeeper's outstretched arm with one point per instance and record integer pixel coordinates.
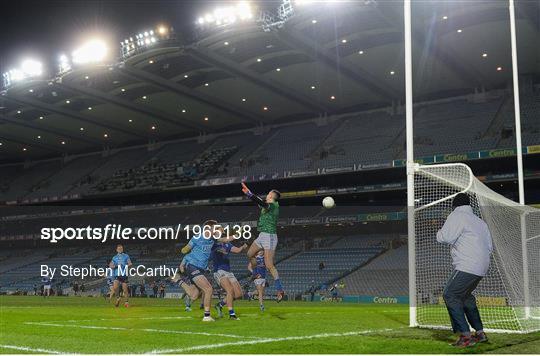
(256, 199)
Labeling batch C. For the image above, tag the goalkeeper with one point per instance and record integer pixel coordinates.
(471, 247)
(267, 239)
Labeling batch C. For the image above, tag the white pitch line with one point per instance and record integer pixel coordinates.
(24, 348)
(131, 318)
(165, 331)
(266, 340)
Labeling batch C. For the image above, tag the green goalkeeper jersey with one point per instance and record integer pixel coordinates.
(269, 218)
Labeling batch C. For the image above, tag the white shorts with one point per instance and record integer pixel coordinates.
(267, 241)
(47, 287)
(259, 281)
(224, 274)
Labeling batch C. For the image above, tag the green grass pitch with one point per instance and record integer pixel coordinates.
(92, 325)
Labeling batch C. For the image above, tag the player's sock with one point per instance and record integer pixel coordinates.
(222, 303)
(261, 307)
(279, 287)
(206, 313)
(232, 314)
(187, 301)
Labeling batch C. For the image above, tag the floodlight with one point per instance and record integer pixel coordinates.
(243, 10)
(228, 15)
(16, 75)
(31, 68)
(309, 2)
(91, 52)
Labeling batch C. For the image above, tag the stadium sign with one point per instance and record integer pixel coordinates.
(337, 170)
(306, 221)
(385, 300)
(342, 219)
(375, 165)
(369, 299)
(498, 153)
(533, 149)
(311, 172)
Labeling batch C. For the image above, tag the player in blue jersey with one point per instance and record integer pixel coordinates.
(224, 277)
(119, 264)
(258, 274)
(197, 253)
(46, 281)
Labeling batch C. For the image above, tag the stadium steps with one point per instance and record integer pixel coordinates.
(329, 282)
(38, 185)
(495, 127)
(74, 188)
(384, 276)
(261, 147)
(312, 156)
(69, 174)
(398, 143)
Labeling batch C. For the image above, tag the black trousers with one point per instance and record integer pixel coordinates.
(461, 303)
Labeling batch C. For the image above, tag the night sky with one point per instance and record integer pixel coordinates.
(43, 29)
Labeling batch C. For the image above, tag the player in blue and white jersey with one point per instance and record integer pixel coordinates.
(258, 274)
(224, 277)
(118, 264)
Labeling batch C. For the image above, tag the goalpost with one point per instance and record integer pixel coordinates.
(509, 295)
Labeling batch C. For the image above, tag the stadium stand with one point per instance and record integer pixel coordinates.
(454, 127)
(362, 138)
(530, 122)
(349, 143)
(160, 174)
(72, 172)
(288, 148)
(28, 179)
(385, 276)
(297, 259)
(303, 269)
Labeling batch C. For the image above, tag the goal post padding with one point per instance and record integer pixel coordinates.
(509, 295)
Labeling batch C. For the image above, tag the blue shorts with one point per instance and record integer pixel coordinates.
(193, 272)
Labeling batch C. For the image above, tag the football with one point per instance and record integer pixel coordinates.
(328, 202)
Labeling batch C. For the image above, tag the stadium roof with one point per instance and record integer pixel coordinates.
(343, 59)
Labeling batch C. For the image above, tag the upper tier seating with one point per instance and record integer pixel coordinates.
(456, 126)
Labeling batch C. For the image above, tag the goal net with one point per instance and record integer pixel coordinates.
(509, 295)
